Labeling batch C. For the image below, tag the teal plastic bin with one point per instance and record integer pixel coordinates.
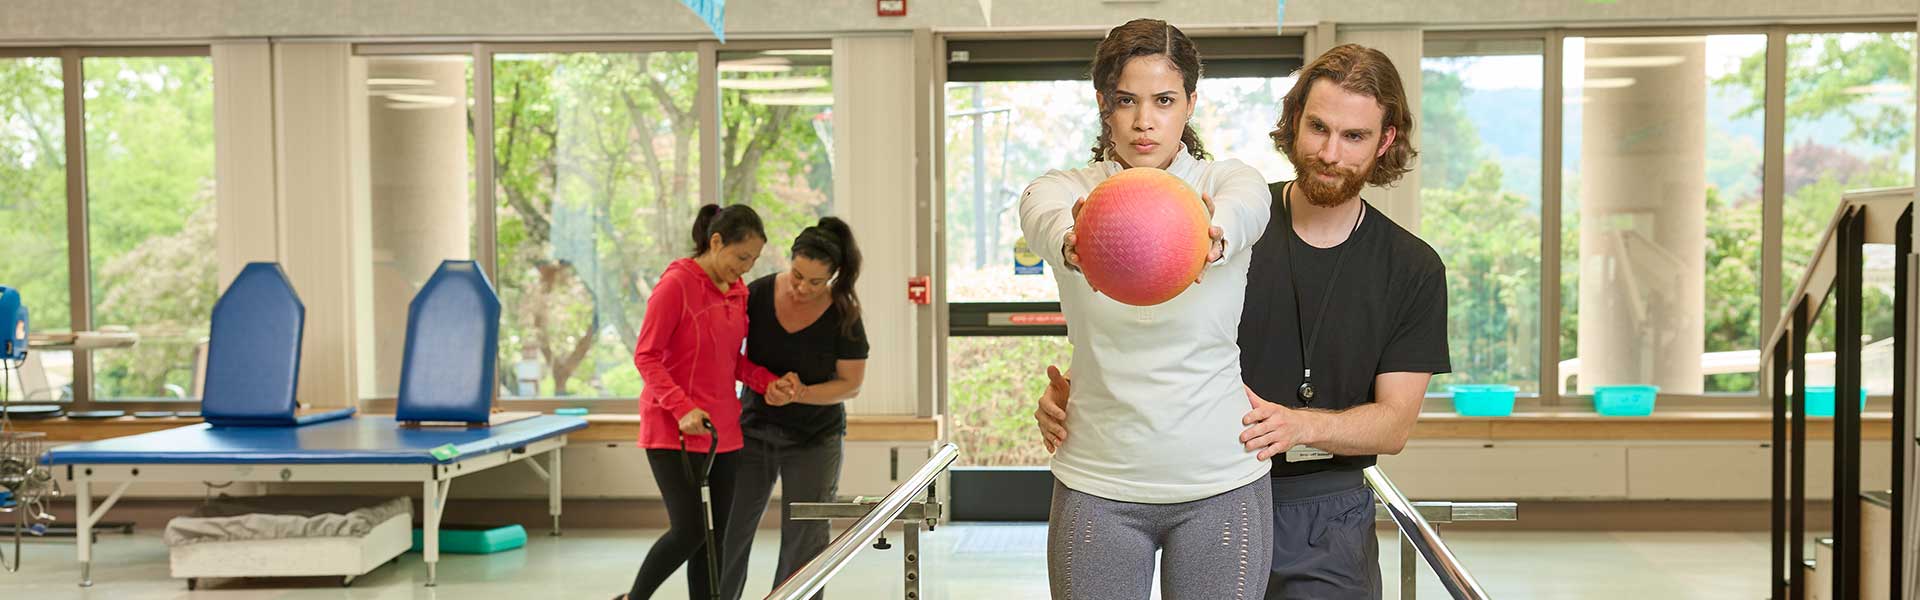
(1624, 400)
(1820, 400)
(1483, 400)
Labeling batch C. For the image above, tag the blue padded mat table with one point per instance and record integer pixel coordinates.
(358, 449)
(363, 440)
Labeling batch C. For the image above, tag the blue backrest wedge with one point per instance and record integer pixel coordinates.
(253, 356)
(453, 339)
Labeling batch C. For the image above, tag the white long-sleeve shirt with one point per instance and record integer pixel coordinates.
(1157, 398)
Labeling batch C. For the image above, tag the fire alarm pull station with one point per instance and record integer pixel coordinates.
(919, 290)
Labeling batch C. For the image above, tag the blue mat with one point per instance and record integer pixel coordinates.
(360, 440)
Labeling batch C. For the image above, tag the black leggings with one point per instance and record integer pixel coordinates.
(685, 542)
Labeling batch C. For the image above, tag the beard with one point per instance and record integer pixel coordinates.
(1327, 195)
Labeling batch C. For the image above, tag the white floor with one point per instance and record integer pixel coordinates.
(965, 561)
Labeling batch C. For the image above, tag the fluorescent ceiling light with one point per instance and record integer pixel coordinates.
(1665, 60)
(424, 99)
(815, 52)
(1607, 83)
(398, 81)
(763, 64)
(792, 99)
(1629, 41)
(726, 68)
(780, 83)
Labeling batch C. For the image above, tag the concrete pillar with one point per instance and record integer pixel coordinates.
(421, 208)
(1643, 213)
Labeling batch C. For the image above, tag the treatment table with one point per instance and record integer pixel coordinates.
(357, 449)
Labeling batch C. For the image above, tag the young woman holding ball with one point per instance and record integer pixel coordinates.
(1155, 464)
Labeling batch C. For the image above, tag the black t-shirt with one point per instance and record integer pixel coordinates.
(812, 353)
(1387, 313)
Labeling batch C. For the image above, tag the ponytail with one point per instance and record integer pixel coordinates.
(734, 224)
(831, 242)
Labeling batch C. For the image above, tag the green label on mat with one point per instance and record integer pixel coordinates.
(445, 452)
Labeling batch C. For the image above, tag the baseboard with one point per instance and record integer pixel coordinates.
(151, 514)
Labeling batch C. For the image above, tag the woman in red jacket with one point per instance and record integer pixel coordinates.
(689, 355)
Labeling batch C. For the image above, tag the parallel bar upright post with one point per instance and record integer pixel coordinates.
(1777, 368)
(1902, 247)
(1846, 423)
(1797, 458)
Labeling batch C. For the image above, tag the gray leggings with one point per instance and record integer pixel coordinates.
(1212, 548)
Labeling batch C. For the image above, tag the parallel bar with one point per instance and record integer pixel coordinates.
(1902, 247)
(1433, 512)
(1409, 569)
(824, 511)
(1846, 452)
(1459, 583)
(1778, 572)
(1797, 461)
(814, 575)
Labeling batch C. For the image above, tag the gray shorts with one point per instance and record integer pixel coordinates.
(1323, 538)
(1215, 548)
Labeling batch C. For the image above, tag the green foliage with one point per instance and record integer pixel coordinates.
(1490, 241)
(994, 383)
(151, 217)
(598, 172)
(33, 188)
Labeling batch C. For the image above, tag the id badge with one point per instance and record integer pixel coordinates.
(1306, 453)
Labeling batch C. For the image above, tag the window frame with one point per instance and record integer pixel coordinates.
(79, 270)
(1550, 398)
(486, 220)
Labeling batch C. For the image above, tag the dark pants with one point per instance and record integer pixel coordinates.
(807, 472)
(685, 541)
(1323, 539)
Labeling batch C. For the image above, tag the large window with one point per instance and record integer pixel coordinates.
(1849, 125)
(419, 158)
(1480, 125)
(33, 209)
(1660, 218)
(598, 172)
(776, 149)
(145, 190)
(597, 180)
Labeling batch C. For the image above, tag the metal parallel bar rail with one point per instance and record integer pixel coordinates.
(1902, 247)
(1421, 535)
(1883, 216)
(1846, 419)
(814, 575)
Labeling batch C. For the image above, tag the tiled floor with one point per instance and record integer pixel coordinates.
(964, 561)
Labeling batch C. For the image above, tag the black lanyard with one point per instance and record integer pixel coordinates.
(1306, 392)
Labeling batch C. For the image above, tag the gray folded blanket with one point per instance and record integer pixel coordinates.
(229, 519)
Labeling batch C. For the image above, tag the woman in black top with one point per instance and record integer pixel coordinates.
(804, 322)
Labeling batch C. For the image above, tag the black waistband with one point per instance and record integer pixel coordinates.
(1316, 484)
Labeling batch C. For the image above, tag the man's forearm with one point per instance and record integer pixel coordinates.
(1361, 430)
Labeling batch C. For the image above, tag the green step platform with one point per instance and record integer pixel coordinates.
(461, 539)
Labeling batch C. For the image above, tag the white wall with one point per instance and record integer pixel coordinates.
(31, 21)
(873, 183)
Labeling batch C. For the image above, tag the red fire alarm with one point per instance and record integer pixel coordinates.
(893, 8)
(920, 289)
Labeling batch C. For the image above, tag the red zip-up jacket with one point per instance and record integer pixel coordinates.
(689, 354)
